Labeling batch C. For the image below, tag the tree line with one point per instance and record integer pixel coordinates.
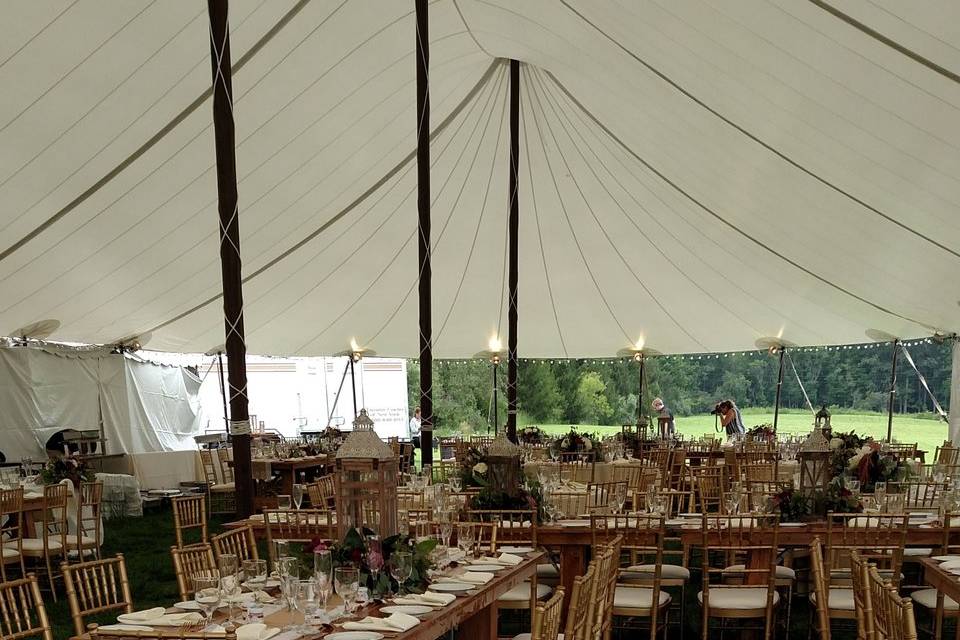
(605, 392)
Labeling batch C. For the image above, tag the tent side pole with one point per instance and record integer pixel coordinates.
(893, 388)
(230, 260)
(423, 223)
(776, 403)
(514, 254)
(223, 392)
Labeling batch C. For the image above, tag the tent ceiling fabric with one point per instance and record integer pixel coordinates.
(696, 174)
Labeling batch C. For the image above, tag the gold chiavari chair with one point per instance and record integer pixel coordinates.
(479, 442)
(190, 512)
(710, 484)
(759, 471)
(879, 538)
(190, 561)
(22, 613)
(678, 472)
(823, 596)
(86, 540)
(894, 619)
(546, 618)
(224, 458)
(940, 606)
(601, 618)
(51, 527)
(119, 634)
(756, 596)
(904, 450)
(862, 602)
(638, 478)
(577, 620)
(239, 542)
(11, 531)
(298, 526)
(922, 495)
(96, 587)
(515, 528)
(222, 495)
(638, 590)
(947, 454)
(408, 499)
(602, 496)
(442, 471)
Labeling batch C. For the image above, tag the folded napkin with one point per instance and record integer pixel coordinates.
(509, 558)
(512, 524)
(165, 620)
(263, 597)
(141, 616)
(256, 631)
(397, 622)
(123, 627)
(430, 598)
(471, 577)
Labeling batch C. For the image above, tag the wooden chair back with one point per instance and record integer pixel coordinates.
(759, 471)
(238, 542)
(676, 473)
(862, 602)
(226, 469)
(11, 529)
(297, 526)
(947, 454)
(604, 588)
(96, 587)
(514, 526)
(22, 613)
(485, 534)
(879, 538)
(601, 496)
(546, 617)
(723, 536)
(922, 495)
(710, 483)
(89, 520)
(323, 492)
(51, 523)
(190, 512)
(577, 622)
(820, 586)
(894, 618)
(905, 450)
(209, 468)
(190, 561)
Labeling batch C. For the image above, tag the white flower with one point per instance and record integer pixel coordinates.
(855, 460)
(835, 443)
(587, 445)
(565, 443)
(480, 467)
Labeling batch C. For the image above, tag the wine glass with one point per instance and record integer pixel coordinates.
(465, 538)
(853, 486)
(456, 482)
(346, 580)
(374, 557)
(305, 601)
(283, 503)
(255, 574)
(401, 566)
(446, 530)
(651, 496)
(323, 574)
(879, 491)
(287, 567)
(206, 593)
(732, 502)
(619, 497)
(229, 568)
(298, 495)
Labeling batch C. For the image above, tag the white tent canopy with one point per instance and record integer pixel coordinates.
(696, 174)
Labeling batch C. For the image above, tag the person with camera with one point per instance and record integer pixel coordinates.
(730, 418)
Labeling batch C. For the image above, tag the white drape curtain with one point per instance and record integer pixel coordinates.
(955, 395)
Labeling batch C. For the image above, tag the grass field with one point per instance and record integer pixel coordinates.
(925, 431)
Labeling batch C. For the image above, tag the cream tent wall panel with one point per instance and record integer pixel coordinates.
(694, 174)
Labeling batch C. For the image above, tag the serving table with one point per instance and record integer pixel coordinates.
(473, 616)
(946, 584)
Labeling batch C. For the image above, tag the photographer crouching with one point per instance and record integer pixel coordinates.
(730, 418)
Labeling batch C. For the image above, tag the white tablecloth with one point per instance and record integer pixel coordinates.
(165, 469)
(121, 495)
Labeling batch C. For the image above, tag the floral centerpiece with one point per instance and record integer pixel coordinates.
(68, 467)
(528, 497)
(761, 433)
(354, 551)
(532, 436)
(573, 442)
(861, 458)
(473, 468)
(799, 506)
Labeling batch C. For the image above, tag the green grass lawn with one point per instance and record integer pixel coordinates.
(927, 432)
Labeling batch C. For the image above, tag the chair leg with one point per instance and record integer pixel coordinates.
(53, 587)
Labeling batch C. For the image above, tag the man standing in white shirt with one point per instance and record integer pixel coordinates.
(413, 432)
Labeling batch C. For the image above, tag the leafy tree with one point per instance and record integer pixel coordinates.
(590, 400)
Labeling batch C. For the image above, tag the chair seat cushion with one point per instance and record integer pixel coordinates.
(645, 572)
(547, 571)
(737, 598)
(527, 636)
(838, 599)
(226, 487)
(928, 598)
(10, 552)
(521, 593)
(36, 544)
(783, 573)
(85, 541)
(637, 598)
(917, 552)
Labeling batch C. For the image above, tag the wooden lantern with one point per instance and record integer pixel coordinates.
(503, 465)
(367, 475)
(814, 458)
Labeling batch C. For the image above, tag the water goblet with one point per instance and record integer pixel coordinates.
(401, 566)
(466, 537)
(206, 593)
(283, 503)
(323, 575)
(298, 495)
(255, 574)
(374, 558)
(346, 581)
(455, 483)
(305, 602)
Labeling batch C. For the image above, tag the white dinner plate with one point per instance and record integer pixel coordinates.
(675, 522)
(574, 523)
(945, 558)
(354, 635)
(690, 515)
(515, 550)
(187, 605)
(793, 524)
(164, 492)
(454, 587)
(485, 567)
(268, 584)
(409, 609)
(954, 570)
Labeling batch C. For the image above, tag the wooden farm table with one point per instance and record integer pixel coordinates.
(946, 584)
(473, 616)
(289, 468)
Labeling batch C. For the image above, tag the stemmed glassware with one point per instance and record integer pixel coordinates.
(206, 593)
(346, 580)
(446, 530)
(255, 574)
(323, 575)
(298, 495)
(466, 537)
(619, 497)
(287, 566)
(283, 503)
(401, 566)
(305, 601)
(732, 502)
(229, 583)
(456, 482)
(374, 557)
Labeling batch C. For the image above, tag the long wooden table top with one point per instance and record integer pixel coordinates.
(460, 613)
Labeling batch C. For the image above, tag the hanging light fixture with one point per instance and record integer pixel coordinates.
(493, 354)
